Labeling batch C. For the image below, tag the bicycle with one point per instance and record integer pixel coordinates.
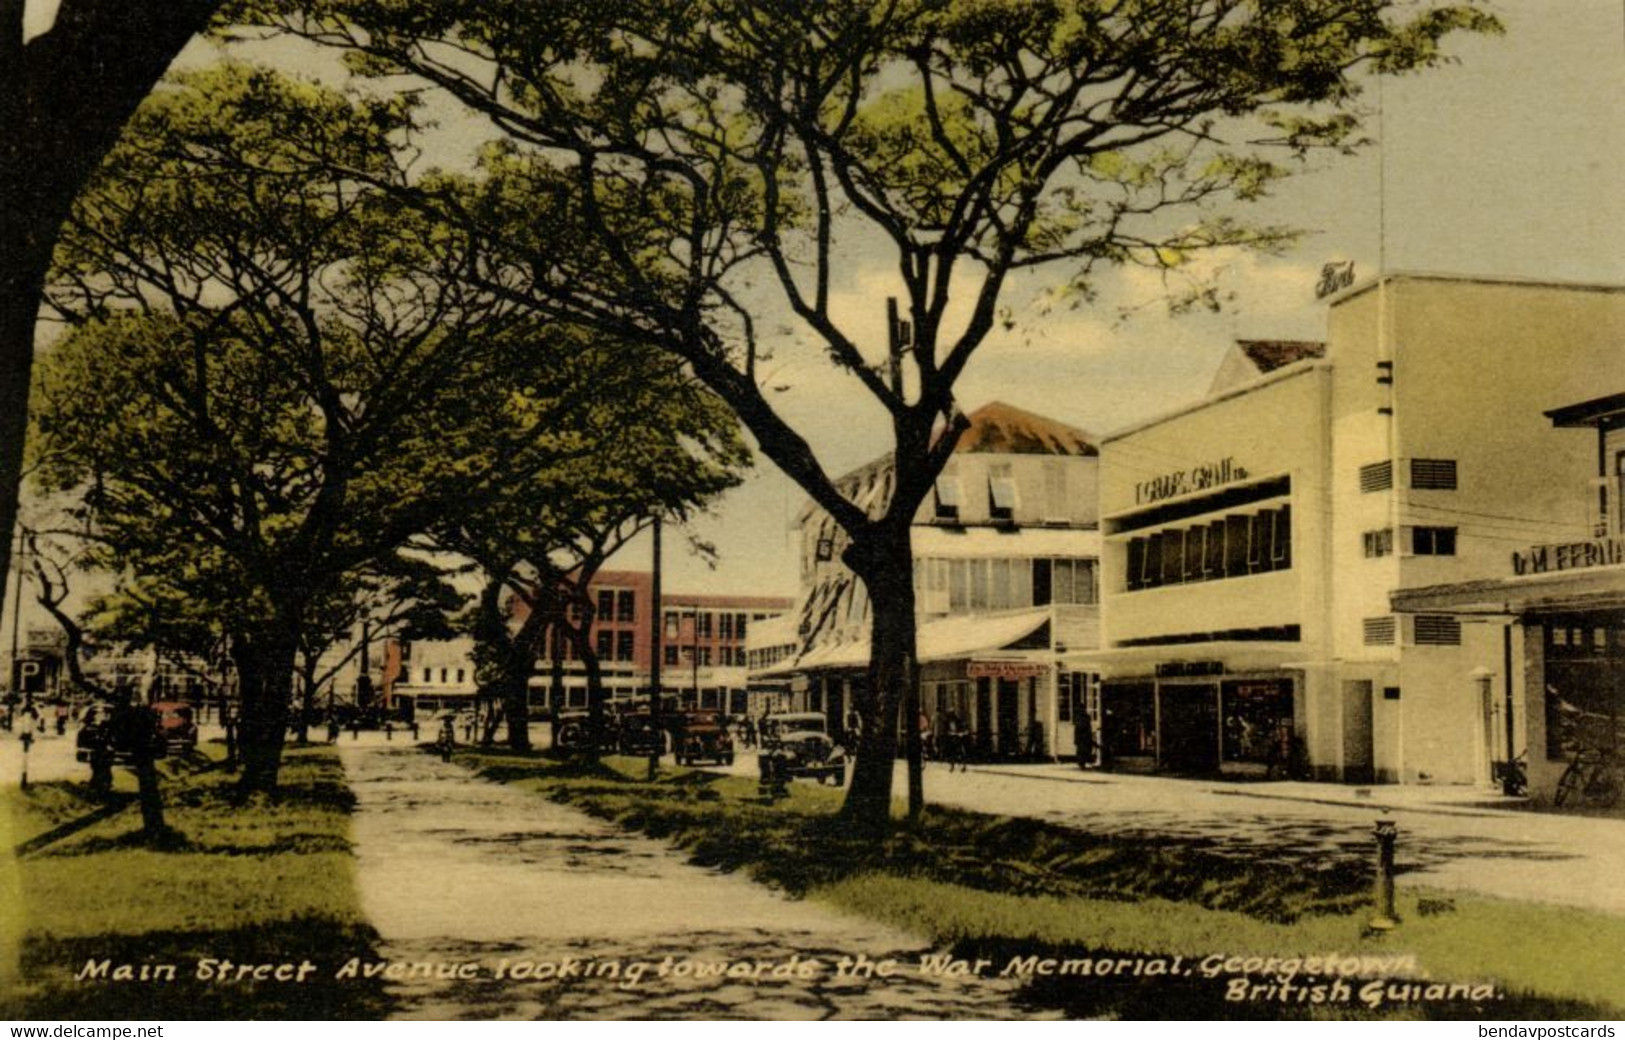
(1595, 777)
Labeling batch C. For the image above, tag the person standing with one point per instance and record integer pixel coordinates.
(958, 744)
(1083, 735)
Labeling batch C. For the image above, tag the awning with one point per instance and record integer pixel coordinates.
(1237, 655)
(1595, 588)
(953, 543)
(942, 640)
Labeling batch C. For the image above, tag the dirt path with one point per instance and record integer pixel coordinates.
(455, 871)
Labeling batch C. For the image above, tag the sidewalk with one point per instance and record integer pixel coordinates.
(1440, 799)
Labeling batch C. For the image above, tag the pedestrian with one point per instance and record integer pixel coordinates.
(448, 738)
(389, 730)
(927, 737)
(1083, 736)
(332, 729)
(355, 728)
(958, 743)
(414, 730)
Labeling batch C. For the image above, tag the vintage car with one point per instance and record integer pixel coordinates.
(122, 733)
(800, 745)
(703, 735)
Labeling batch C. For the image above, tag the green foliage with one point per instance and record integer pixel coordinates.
(271, 881)
(276, 374)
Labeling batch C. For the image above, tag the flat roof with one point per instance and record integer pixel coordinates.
(1594, 412)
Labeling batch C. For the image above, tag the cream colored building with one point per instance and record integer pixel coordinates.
(1005, 572)
(1254, 541)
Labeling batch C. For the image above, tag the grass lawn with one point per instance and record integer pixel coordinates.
(999, 887)
(270, 881)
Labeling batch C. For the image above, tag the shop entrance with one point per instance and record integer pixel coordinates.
(1190, 728)
(1127, 715)
(1009, 719)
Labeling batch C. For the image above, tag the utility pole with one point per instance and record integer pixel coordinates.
(656, 623)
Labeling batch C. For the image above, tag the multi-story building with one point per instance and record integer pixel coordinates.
(703, 651)
(1560, 609)
(1256, 543)
(1005, 552)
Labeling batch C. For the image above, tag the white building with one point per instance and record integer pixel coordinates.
(1255, 542)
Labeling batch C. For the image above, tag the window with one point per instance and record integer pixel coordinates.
(671, 655)
(606, 645)
(626, 605)
(1135, 569)
(1001, 493)
(428, 675)
(459, 675)
(1378, 543)
(1281, 542)
(1437, 630)
(949, 499)
(442, 675)
(1433, 541)
(1055, 491)
(1173, 557)
(1434, 474)
(1237, 530)
(1379, 631)
(705, 657)
(726, 626)
(671, 624)
(739, 627)
(1213, 561)
(1379, 476)
(702, 623)
(623, 646)
(1195, 552)
(606, 604)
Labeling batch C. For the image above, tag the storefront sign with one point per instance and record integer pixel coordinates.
(1187, 481)
(1004, 670)
(1569, 556)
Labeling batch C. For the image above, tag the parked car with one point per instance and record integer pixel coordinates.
(802, 743)
(703, 735)
(123, 732)
(176, 723)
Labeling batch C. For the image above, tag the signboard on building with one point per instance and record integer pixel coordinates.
(1005, 669)
(1570, 556)
(1187, 481)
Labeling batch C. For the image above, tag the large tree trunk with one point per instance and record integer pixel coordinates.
(63, 98)
(884, 561)
(265, 666)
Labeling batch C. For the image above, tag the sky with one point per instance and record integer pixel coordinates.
(1505, 163)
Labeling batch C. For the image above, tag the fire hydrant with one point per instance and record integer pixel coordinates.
(1386, 833)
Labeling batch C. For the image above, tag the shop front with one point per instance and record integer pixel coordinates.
(1238, 715)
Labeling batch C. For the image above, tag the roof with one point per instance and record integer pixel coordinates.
(1271, 354)
(997, 427)
(1599, 411)
(1590, 588)
(943, 640)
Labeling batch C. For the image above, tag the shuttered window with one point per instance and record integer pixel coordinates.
(1433, 474)
(1379, 476)
(1437, 630)
(1379, 631)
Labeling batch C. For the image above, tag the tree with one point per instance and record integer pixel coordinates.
(64, 95)
(659, 446)
(398, 596)
(668, 153)
(275, 373)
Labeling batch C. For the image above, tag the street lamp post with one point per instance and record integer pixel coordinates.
(657, 619)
